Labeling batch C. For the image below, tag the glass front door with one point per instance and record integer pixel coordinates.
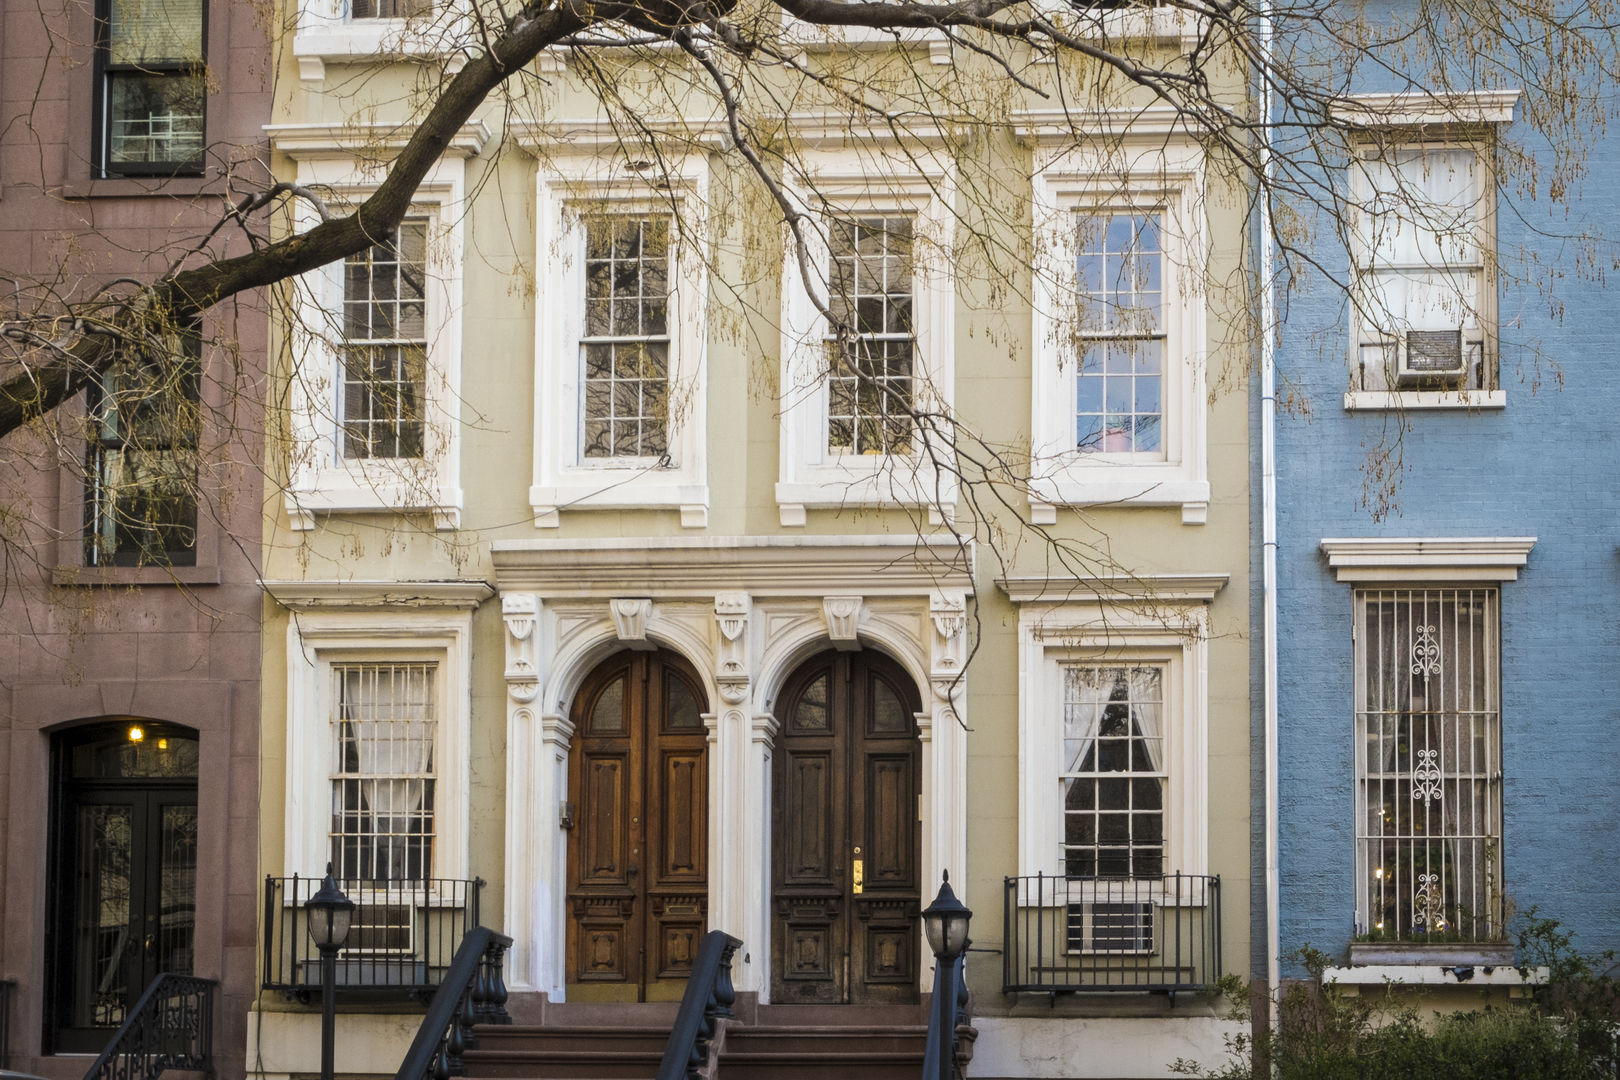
(125, 854)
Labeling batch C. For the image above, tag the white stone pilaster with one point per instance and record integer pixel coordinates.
(521, 614)
(943, 728)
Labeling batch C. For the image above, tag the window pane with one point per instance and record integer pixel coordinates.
(870, 389)
(154, 119)
(384, 372)
(385, 729)
(148, 32)
(625, 348)
(1113, 795)
(1119, 274)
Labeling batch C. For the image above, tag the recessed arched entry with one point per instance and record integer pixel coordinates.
(638, 829)
(123, 888)
(846, 840)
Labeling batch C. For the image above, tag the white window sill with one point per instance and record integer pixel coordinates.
(383, 497)
(1123, 486)
(876, 483)
(618, 489)
(1471, 976)
(1403, 400)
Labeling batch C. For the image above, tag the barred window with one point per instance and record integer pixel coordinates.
(625, 349)
(1428, 762)
(1119, 388)
(384, 367)
(384, 728)
(1113, 774)
(870, 392)
(141, 490)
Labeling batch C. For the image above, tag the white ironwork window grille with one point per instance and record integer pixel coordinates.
(385, 731)
(871, 388)
(625, 347)
(390, 9)
(1113, 778)
(153, 87)
(384, 366)
(1422, 228)
(1119, 387)
(1116, 928)
(1428, 762)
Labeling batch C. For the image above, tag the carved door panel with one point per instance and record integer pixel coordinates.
(638, 852)
(846, 837)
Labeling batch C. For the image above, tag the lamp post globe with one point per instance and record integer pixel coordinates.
(945, 921)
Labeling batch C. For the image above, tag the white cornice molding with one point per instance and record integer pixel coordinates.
(1135, 589)
(1047, 125)
(1428, 558)
(593, 133)
(764, 565)
(302, 596)
(362, 138)
(1413, 108)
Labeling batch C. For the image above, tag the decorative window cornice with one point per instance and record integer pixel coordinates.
(304, 596)
(1121, 589)
(363, 138)
(1399, 558)
(1412, 109)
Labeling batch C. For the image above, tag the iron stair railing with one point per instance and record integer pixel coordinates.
(171, 1027)
(708, 998)
(473, 991)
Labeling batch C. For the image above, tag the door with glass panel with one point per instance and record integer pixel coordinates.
(125, 873)
(845, 834)
(638, 829)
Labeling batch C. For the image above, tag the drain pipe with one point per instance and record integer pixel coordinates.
(1268, 499)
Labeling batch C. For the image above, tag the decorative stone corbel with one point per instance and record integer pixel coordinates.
(948, 649)
(843, 621)
(521, 612)
(630, 615)
(731, 610)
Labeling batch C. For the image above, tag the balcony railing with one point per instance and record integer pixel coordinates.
(402, 939)
(1068, 935)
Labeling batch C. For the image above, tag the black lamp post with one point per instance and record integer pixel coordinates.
(945, 922)
(329, 913)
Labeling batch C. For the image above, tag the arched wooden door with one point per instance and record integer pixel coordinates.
(638, 877)
(845, 834)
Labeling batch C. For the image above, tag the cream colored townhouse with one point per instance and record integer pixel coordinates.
(603, 608)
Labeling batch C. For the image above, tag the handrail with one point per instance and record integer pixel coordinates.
(472, 991)
(708, 998)
(6, 987)
(171, 1027)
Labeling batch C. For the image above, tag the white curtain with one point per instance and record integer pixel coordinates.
(389, 711)
(1088, 695)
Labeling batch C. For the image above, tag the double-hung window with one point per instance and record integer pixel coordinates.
(152, 87)
(624, 351)
(1119, 384)
(1428, 764)
(384, 734)
(871, 365)
(1424, 298)
(384, 365)
(141, 489)
(1113, 777)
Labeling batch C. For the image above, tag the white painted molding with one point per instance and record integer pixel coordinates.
(843, 615)
(1424, 400)
(1399, 558)
(359, 138)
(1061, 125)
(707, 565)
(1139, 589)
(1412, 108)
(630, 617)
(1479, 976)
(318, 595)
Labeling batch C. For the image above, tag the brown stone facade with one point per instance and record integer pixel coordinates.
(81, 645)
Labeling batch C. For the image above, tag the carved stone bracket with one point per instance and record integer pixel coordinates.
(630, 615)
(948, 649)
(843, 621)
(731, 671)
(521, 612)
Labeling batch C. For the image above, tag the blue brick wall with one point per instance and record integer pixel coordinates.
(1547, 466)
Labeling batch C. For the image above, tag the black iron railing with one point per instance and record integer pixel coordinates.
(403, 936)
(472, 991)
(1065, 935)
(707, 1000)
(6, 987)
(171, 1027)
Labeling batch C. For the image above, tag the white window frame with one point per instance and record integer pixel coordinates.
(320, 480)
(1167, 180)
(1381, 390)
(326, 33)
(1168, 633)
(570, 187)
(876, 181)
(319, 639)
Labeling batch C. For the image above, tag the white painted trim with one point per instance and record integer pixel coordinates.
(326, 34)
(1421, 559)
(1166, 177)
(914, 182)
(1424, 400)
(304, 596)
(1142, 588)
(320, 480)
(361, 138)
(1174, 635)
(1412, 108)
(319, 638)
(563, 480)
(1434, 975)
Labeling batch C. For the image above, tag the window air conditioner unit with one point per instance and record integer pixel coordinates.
(1111, 928)
(1432, 358)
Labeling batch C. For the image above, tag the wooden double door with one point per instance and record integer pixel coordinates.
(846, 835)
(638, 876)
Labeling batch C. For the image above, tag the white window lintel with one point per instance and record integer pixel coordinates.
(1418, 559)
(1415, 108)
